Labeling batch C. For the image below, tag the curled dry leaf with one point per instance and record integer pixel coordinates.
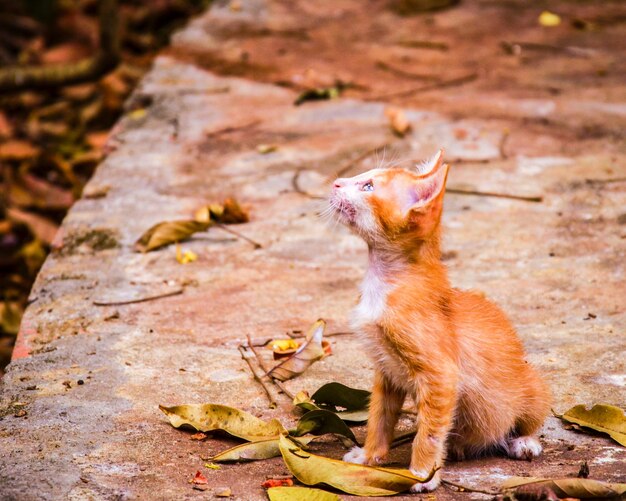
(209, 417)
(601, 417)
(311, 351)
(582, 488)
(254, 451)
(305, 402)
(168, 232)
(398, 121)
(333, 395)
(356, 479)
(320, 422)
(199, 479)
(284, 347)
(228, 212)
(300, 494)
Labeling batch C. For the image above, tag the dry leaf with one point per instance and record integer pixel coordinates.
(277, 482)
(602, 417)
(300, 494)
(304, 401)
(168, 232)
(582, 488)
(320, 422)
(310, 351)
(398, 122)
(209, 417)
(212, 466)
(356, 479)
(199, 479)
(549, 19)
(18, 150)
(198, 436)
(254, 451)
(264, 149)
(228, 212)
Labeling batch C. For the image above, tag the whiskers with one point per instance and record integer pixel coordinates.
(329, 213)
(394, 161)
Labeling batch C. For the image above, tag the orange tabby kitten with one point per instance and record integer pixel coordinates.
(453, 351)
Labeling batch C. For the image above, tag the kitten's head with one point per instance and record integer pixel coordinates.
(392, 205)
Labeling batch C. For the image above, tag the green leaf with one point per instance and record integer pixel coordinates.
(209, 417)
(320, 422)
(310, 351)
(339, 395)
(300, 494)
(303, 401)
(168, 232)
(582, 488)
(602, 417)
(254, 451)
(356, 479)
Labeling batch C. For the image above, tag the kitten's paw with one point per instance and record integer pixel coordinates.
(429, 486)
(524, 448)
(355, 455)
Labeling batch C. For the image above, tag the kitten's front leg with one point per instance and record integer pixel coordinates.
(385, 405)
(436, 400)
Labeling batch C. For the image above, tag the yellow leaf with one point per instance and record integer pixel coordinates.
(602, 417)
(582, 488)
(296, 493)
(168, 232)
(283, 345)
(184, 257)
(212, 466)
(253, 451)
(209, 417)
(356, 479)
(264, 149)
(549, 19)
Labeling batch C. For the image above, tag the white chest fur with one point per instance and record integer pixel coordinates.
(374, 291)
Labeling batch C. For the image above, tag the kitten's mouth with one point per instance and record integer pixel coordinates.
(344, 209)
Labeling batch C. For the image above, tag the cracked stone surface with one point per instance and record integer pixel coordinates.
(547, 122)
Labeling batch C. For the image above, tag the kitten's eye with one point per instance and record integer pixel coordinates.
(369, 186)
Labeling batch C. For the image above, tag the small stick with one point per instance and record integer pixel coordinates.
(280, 386)
(349, 165)
(437, 85)
(230, 128)
(405, 74)
(139, 300)
(462, 488)
(295, 183)
(460, 191)
(256, 244)
(403, 439)
(242, 350)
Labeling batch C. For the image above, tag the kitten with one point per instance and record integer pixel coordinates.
(452, 351)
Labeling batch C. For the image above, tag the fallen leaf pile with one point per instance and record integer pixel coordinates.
(326, 412)
(52, 140)
(173, 232)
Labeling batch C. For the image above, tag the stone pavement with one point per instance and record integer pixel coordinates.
(520, 109)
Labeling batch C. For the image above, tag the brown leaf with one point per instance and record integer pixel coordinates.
(310, 351)
(398, 122)
(16, 149)
(228, 212)
(41, 227)
(582, 488)
(168, 232)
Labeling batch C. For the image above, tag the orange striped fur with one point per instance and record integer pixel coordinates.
(454, 352)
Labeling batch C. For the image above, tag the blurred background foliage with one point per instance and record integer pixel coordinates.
(51, 140)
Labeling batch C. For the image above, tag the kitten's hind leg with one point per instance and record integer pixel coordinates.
(385, 405)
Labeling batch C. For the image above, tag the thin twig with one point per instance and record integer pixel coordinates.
(464, 488)
(295, 183)
(402, 439)
(352, 163)
(175, 292)
(453, 82)
(256, 244)
(231, 128)
(278, 384)
(460, 191)
(257, 378)
(405, 74)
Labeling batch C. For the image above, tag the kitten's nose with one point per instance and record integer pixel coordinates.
(339, 183)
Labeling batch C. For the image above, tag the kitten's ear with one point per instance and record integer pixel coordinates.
(430, 165)
(429, 188)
